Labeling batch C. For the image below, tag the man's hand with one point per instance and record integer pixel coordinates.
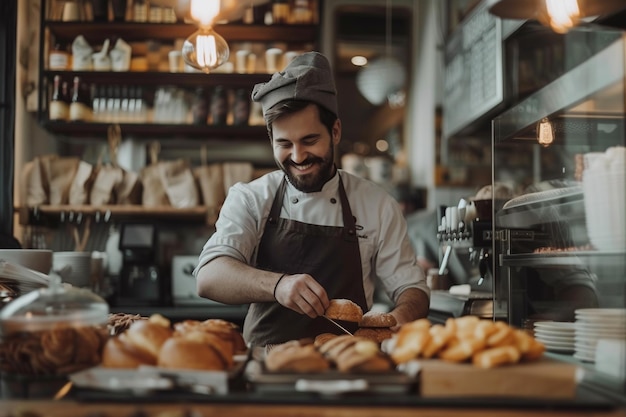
(302, 294)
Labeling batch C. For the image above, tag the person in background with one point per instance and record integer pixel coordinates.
(295, 238)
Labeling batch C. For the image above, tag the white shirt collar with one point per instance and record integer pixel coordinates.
(329, 187)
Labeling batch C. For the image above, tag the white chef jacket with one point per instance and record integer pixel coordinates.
(386, 251)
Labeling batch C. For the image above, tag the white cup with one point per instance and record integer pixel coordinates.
(71, 13)
(273, 60)
(175, 61)
(241, 62)
(73, 267)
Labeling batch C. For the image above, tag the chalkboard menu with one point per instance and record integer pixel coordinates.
(473, 83)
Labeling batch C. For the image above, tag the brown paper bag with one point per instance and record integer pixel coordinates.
(61, 172)
(81, 185)
(37, 182)
(129, 189)
(178, 183)
(107, 179)
(210, 180)
(113, 184)
(32, 192)
(235, 172)
(153, 193)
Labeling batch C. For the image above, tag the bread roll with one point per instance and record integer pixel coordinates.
(295, 357)
(376, 334)
(343, 309)
(320, 339)
(222, 328)
(183, 353)
(118, 352)
(148, 336)
(377, 319)
(222, 346)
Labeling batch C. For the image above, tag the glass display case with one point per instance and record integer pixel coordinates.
(560, 242)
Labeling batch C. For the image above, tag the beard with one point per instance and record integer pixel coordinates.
(313, 182)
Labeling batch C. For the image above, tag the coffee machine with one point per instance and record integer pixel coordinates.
(464, 234)
(141, 281)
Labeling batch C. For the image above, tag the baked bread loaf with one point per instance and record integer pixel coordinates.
(354, 354)
(376, 334)
(190, 344)
(377, 319)
(294, 357)
(119, 352)
(344, 309)
(222, 328)
(320, 339)
(149, 335)
(186, 353)
(484, 343)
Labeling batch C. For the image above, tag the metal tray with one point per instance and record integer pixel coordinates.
(330, 382)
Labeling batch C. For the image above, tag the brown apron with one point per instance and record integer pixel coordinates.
(329, 254)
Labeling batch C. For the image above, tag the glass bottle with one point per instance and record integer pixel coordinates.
(80, 108)
(58, 109)
(119, 10)
(241, 107)
(280, 11)
(219, 106)
(200, 107)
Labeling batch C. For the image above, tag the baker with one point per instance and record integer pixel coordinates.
(291, 240)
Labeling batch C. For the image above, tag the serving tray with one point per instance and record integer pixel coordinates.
(331, 382)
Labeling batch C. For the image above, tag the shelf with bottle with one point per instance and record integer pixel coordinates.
(87, 108)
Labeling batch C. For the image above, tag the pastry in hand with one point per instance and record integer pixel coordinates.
(344, 309)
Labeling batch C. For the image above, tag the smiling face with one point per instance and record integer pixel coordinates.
(304, 149)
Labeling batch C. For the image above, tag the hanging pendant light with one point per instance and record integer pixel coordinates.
(205, 49)
(382, 78)
(559, 15)
(230, 10)
(545, 132)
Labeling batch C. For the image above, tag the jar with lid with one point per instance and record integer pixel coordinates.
(58, 58)
(60, 329)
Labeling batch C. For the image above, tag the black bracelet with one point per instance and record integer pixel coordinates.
(277, 282)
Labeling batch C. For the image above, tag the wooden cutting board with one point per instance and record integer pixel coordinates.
(543, 379)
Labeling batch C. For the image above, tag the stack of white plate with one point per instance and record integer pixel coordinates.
(593, 324)
(557, 336)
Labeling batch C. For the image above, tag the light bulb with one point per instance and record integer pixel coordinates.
(562, 14)
(203, 12)
(205, 50)
(545, 132)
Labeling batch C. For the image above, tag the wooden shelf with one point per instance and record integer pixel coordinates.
(131, 31)
(154, 78)
(160, 130)
(69, 214)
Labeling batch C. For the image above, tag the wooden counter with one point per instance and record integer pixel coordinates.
(73, 409)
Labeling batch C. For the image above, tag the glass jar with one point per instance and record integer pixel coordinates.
(56, 330)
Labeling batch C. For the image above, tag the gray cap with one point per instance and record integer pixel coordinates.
(308, 77)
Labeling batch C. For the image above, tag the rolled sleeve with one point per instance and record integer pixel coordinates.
(396, 262)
